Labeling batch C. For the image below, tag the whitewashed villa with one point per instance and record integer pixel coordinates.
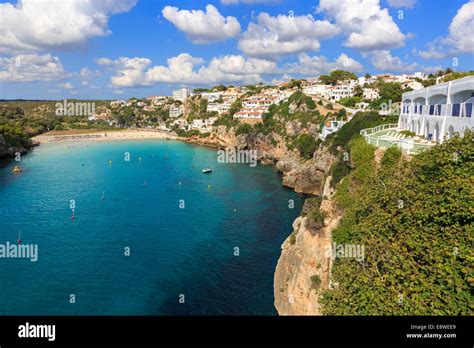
(437, 112)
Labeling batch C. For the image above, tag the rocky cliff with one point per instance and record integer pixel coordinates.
(304, 267)
(304, 176)
(7, 151)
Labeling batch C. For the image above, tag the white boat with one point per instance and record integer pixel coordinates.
(207, 170)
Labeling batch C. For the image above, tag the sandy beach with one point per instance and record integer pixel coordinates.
(86, 135)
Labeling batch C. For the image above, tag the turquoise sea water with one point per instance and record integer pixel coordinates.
(173, 251)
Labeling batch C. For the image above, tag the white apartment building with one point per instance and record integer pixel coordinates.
(176, 110)
(220, 108)
(203, 125)
(158, 100)
(437, 112)
(117, 103)
(250, 113)
(276, 95)
(330, 127)
(230, 96)
(338, 92)
(211, 96)
(370, 94)
(415, 85)
(181, 94)
(315, 89)
(257, 102)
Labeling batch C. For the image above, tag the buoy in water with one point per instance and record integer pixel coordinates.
(110, 162)
(17, 169)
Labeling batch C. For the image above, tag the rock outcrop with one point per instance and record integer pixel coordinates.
(304, 267)
(307, 177)
(9, 151)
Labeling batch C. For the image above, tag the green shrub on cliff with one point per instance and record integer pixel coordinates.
(315, 281)
(415, 222)
(243, 129)
(350, 130)
(306, 145)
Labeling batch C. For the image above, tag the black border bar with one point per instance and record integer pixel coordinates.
(239, 330)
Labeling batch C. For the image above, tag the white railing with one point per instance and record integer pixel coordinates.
(368, 131)
(405, 144)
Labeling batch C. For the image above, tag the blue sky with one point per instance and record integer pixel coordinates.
(122, 48)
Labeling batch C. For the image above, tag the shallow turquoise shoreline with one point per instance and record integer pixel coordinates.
(173, 251)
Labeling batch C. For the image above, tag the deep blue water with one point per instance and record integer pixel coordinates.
(173, 251)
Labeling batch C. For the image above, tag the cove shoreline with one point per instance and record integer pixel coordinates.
(214, 142)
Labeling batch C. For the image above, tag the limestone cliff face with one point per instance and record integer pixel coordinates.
(303, 176)
(306, 177)
(304, 267)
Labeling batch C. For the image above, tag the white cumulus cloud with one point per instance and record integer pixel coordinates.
(367, 25)
(66, 85)
(235, 2)
(460, 38)
(31, 67)
(186, 69)
(33, 25)
(402, 3)
(274, 36)
(203, 27)
(317, 65)
(384, 61)
(128, 71)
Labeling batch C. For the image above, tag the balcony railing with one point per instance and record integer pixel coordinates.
(452, 110)
(409, 145)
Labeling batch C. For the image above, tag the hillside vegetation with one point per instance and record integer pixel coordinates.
(415, 221)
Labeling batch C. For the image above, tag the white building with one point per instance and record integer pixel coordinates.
(211, 96)
(330, 127)
(250, 113)
(415, 85)
(203, 125)
(181, 94)
(220, 108)
(176, 110)
(117, 103)
(315, 89)
(439, 111)
(420, 75)
(370, 94)
(338, 92)
(258, 101)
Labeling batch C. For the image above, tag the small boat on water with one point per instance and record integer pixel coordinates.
(207, 170)
(17, 170)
